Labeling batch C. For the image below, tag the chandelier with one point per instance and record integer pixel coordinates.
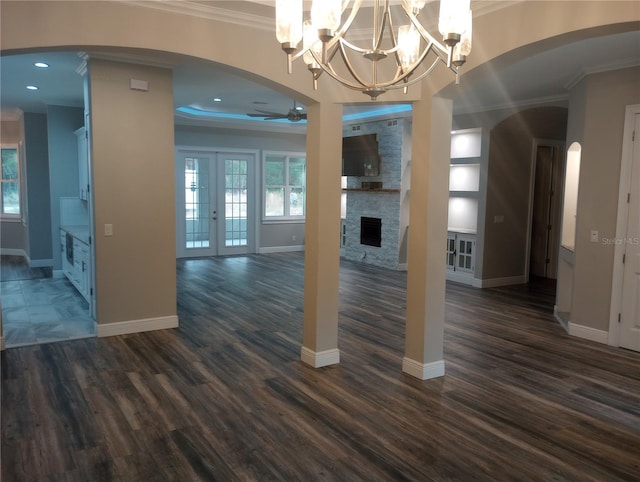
(397, 59)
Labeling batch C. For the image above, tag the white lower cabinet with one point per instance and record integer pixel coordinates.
(461, 252)
(75, 263)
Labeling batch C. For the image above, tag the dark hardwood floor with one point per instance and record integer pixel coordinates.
(226, 397)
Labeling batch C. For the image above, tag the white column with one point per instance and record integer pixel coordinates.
(431, 145)
(322, 235)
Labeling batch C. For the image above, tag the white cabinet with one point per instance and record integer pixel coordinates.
(75, 262)
(83, 164)
(461, 252)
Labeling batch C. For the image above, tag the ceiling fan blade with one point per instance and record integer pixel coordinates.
(269, 112)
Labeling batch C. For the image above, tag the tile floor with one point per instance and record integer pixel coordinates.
(43, 310)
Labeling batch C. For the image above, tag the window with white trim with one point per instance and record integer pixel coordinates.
(10, 189)
(284, 193)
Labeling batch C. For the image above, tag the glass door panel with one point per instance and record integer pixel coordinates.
(215, 196)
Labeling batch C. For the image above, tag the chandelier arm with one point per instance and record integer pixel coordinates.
(441, 50)
(409, 83)
(346, 25)
(380, 25)
(350, 68)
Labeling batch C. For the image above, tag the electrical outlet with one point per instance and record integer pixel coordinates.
(595, 236)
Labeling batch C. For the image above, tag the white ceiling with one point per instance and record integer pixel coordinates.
(546, 76)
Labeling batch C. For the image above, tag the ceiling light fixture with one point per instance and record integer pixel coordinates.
(413, 49)
(32, 87)
(41, 65)
(217, 99)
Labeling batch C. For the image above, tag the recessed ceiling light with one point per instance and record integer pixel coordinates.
(299, 108)
(41, 65)
(32, 87)
(217, 99)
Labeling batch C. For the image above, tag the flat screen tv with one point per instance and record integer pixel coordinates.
(360, 155)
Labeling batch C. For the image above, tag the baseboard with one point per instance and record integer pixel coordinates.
(280, 249)
(40, 263)
(465, 279)
(423, 371)
(12, 252)
(2, 343)
(589, 333)
(403, 266)
(496, 282)
(564, 323)
(321, 358)
(136, 326)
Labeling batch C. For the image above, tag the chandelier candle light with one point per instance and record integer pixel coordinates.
(415, 51)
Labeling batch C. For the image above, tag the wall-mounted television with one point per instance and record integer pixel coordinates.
(360, 155)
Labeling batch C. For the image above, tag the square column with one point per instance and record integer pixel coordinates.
(432, 118)
(322, 235)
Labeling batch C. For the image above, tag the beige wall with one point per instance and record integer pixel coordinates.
(133, 187)
(511, 146)
(602, 98)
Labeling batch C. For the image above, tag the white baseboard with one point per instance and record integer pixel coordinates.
(563, 323)
(2, 343)
(321, 358)
(463, 278)
(423, 371)
(280, 249)
(589, 333)
(39, 263)
(13, 252)
(403, 266)
(136, 326)
(496, 282)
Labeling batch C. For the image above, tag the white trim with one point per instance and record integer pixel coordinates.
(13, 252)
(463, 278)
(137, 326)
(403, 267)
(321, 358)
(621, 224)
(423, 371)
(496, 282)
(561, 321)
(588, 333)
(280, 249)
(39, 263)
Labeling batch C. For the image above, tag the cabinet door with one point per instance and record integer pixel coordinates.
(451, 252)
(466, 253)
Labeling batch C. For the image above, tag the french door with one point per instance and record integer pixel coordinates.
(216, 203)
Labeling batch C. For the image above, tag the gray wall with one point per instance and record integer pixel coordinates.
(38, 199)
(63, 163)
(272, 235)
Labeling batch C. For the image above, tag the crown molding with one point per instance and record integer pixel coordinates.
(195, 9)
(617, 64)
(511, 105)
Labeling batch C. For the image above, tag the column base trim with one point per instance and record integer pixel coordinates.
(136, 326)
(2, 343)
(321, 358)
(423, 371)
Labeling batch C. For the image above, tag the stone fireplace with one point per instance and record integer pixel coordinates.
(377, 208)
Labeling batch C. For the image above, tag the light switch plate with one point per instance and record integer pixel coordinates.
(108, 229)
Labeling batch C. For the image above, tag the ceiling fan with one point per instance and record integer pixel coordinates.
(294, 115)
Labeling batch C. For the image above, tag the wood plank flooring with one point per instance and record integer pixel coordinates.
(225, 396)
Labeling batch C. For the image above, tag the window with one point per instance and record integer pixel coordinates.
(284, 186)
(10, 182)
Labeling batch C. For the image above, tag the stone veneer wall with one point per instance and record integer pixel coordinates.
(378, 204)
